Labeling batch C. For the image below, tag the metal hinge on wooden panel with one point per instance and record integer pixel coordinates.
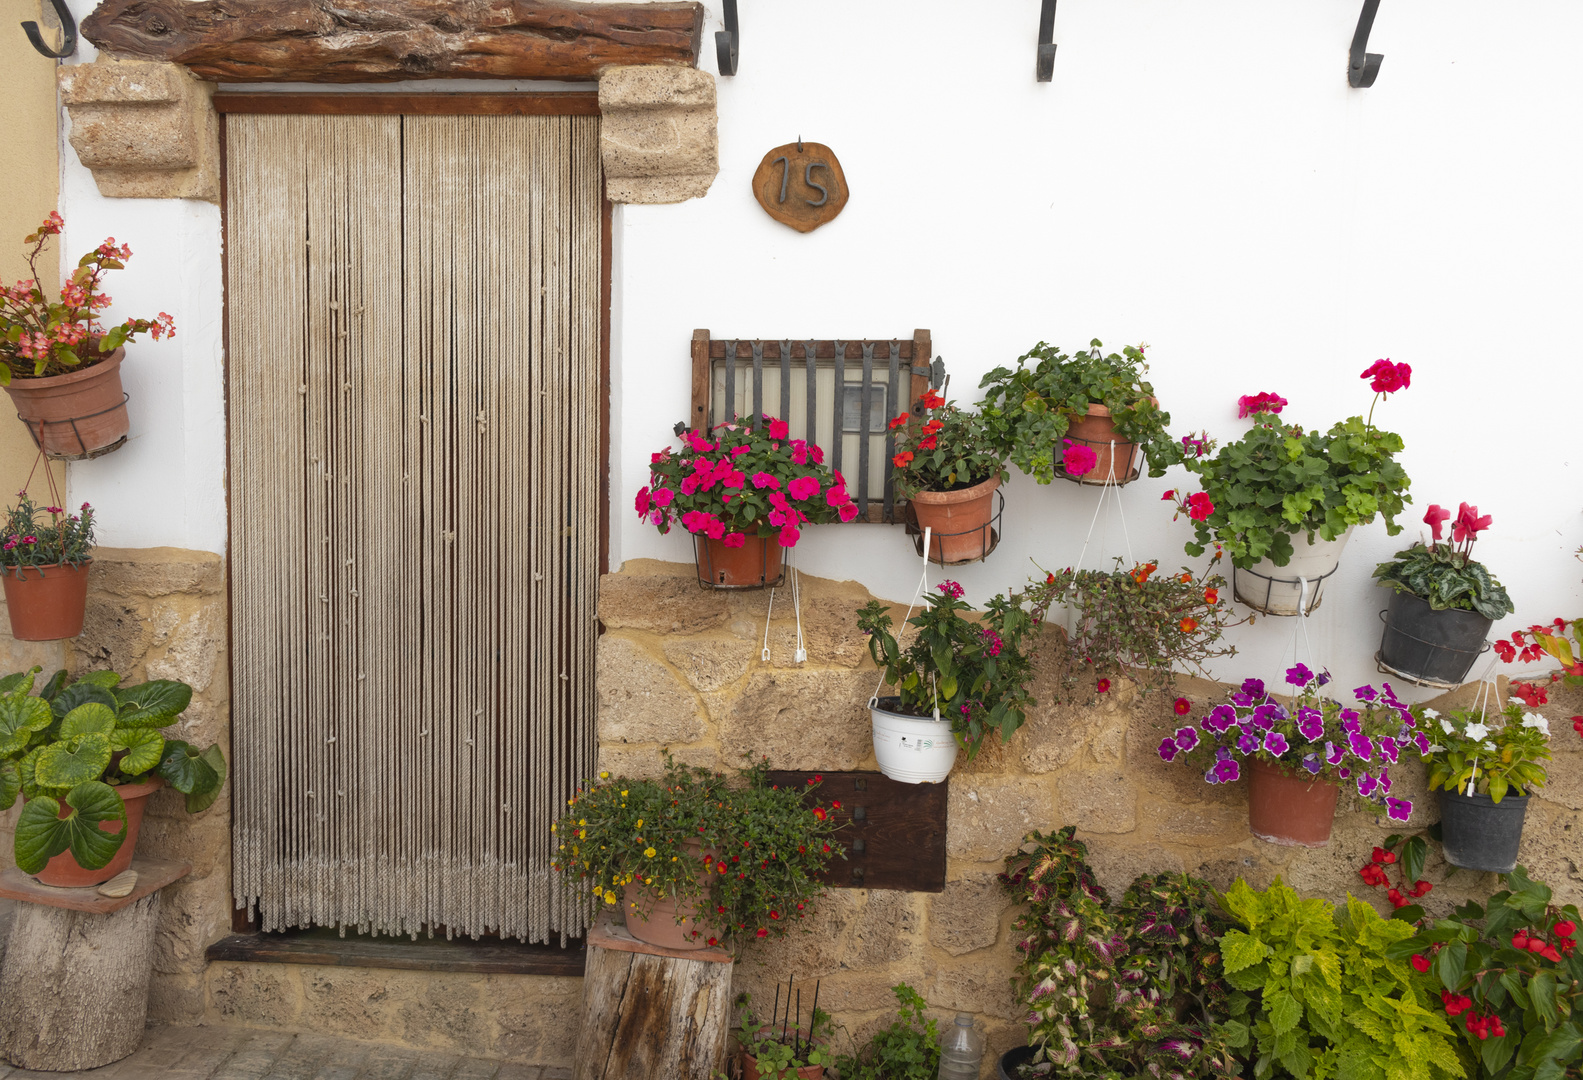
(893, 833)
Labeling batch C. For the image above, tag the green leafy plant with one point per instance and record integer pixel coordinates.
(1279, 480)
(1130, 991)
(952, 449)
(1510, 975)
(1029, 411)
(28, 539)
(1322, 998)
(1445, 575)
(40, 337)
(974, 674)
(1146, 623)
(75, 743)
(909, 1049)
(1471, 756)
(780, 1048)
(737, 846)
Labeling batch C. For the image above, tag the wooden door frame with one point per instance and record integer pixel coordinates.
(577, 103)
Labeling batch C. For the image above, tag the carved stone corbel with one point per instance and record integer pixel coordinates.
(147, 130)
(657, 135)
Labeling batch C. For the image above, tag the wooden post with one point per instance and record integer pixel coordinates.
(652, 1012)
(76, 970)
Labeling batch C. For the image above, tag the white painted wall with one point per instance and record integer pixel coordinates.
(1197, 176)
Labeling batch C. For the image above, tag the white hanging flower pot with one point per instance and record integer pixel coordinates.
(1280, 590)
(911, 749)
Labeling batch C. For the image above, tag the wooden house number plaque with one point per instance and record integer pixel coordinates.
(800, 184)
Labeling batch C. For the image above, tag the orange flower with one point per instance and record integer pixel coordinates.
(932, 400)
(928, 444)
(1188, 624)
(1211, 596)
(1141, 573)
(932, 426)
(1185, 579)
(901, 459)
(819, 812)
(900, 421)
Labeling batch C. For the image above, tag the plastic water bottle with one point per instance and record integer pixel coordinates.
(961, 1050)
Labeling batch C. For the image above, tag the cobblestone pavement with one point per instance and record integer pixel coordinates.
(236, 1053)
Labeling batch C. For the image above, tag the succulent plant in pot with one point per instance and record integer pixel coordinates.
(1090, 417)
(84, 756)
(1443, 602)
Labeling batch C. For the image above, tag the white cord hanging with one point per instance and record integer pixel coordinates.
(1106, 491)
(768, 614)
(801, 655)
(923, 588)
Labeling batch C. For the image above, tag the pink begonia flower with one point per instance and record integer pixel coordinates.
(1388, 377)
(641, 503)
(733, 540)
(804, 487)
(765, 480)
(736, 479)
(1078, 460)
(789, 536)
(1199, 507)
(1468, 524)
(779, 429)
(837, 496)
(1435, 517)
(848, 511)
(716, 528)
(1267, 401)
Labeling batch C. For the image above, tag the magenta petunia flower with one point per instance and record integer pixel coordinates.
(1186, 738)
(1299, 675)
(1169, 749)
(1398, 809)
(1275, 743)
(1227, 771)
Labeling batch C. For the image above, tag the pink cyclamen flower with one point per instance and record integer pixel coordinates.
(848, 511)
(779, 429)
(789, 536)
(1077, 459)
(765, 480)
(733, 540)
(1199, 507)
(1387, 378)
(803, 487)
(1268, 401)
(1468, 524)
(1435, 517)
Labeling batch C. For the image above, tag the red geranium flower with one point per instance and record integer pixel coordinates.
(1249, 405)
(1388, 377)
(1199, 507)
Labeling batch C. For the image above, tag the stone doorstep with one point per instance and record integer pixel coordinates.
(238, 1053)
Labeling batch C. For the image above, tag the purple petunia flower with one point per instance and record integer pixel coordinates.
(1222, 754)
(1241, 700)
(1169, 749)
(1220, 718)
(1366, 784)
(1186, 738)
(1388, 748)
(1344, 773)
(1324, 677)
(1247, 742)
(1385, 781)
(1253, 687)
(1398, 809)
(1421, 741)
(1299, 675)
(1264, 717)
(1228, 771)
(1388, 695)
(1311, 763)
(1362, 745)
(1351, 720)
(1408, 719)
(1334, 753)
(1365, 693)
(1275, 743)
(1311, 722)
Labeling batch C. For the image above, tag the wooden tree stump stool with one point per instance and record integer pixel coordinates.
(652, 1012)
(76, 970)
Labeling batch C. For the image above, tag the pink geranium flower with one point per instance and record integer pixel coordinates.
(1077, 459)
(1387, 378)
(803, 487)
(1249, 405)
(1199, 507)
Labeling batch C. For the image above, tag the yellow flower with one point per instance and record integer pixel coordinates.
(649, 853)
(582, 834)
(648, 881)
(604, 776)
(582, 821)
(640, 823)
(673, 858)
(623, 794)
(597, 887)
(610, 897)
(552, 828)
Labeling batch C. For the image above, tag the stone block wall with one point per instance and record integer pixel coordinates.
(681, 668)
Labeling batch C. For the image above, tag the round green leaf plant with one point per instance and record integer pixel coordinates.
(1029, 411)
(76, 743)
(909, 1049)
(1280, 480)
(1445, 575)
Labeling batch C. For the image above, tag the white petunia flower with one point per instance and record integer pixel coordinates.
(1445, 725)
(1534, 720)
(1488, 748)
(1431, 714)
(1434, 748)
(1476, 730)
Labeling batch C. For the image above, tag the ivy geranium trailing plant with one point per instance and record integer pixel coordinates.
(1132, 989)
(1280, 480)
(75, 743)
(41, 337)
(972, 673)
(1028, 411)
(1445, 576)
(1322, 997)
(743, 480)
(1309, 736)
(744, 851)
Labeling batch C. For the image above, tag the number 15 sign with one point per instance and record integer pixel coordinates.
(801, 185)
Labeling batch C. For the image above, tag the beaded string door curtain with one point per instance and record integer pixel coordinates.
(414, 401)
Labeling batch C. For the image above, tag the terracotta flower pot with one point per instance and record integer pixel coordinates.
(960, 520)
(750, 1070)
(75, 416)
(1291, 810)
(63, 872)
(755, 564)
(1097, 431)
(661, 927)
(46, 603)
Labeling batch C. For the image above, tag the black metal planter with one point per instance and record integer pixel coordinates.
(1009, 1062)
(1432, 648)
(1479, 833)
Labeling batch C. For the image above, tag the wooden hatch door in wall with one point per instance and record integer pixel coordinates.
(414, 400)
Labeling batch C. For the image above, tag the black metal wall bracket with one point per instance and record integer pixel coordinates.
(1044, 69)
(1363, 67)
(68, 33)
(728, 40)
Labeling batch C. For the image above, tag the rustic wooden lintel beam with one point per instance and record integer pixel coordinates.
(341, 41)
